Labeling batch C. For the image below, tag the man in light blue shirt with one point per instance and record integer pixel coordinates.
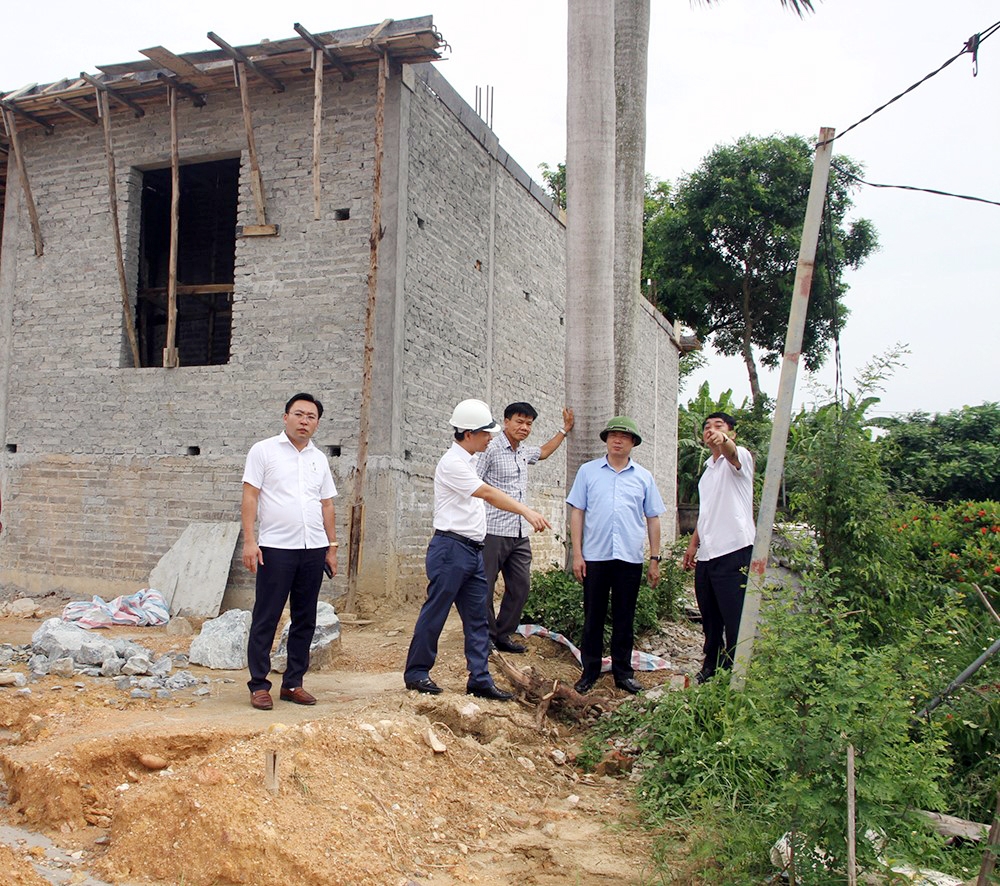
(615, 506)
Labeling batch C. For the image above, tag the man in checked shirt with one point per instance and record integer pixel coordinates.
(507, 550)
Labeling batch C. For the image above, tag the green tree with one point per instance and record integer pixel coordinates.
(555, 182)
(949, 457)
(721, 248)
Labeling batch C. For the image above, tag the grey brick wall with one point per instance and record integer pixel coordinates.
(96, 480)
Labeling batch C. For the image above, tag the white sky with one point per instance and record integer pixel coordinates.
(739, 67)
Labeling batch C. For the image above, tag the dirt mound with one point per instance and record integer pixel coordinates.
(206, 791)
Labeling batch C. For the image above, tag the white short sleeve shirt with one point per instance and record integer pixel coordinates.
(725, 506)
(455, 510)
(292, 485)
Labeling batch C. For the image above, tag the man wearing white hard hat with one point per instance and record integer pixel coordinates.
(455, 572)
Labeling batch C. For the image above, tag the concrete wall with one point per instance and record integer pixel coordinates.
(96, 477)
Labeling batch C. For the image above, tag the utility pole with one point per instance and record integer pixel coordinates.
(783, 406)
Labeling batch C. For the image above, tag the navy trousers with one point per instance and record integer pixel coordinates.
(619, 580)
(455, 577)
(292, 576)
(720, 584)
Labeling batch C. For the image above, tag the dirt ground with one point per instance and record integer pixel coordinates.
(104, 789)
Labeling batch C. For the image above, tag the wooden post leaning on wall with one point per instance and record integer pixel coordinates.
(317, 58)
(357, 502)
(170, 355)
(104, 112)
(256, 181)
(22, 171)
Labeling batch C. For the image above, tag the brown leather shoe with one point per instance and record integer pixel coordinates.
(261, 699)
(298, 695)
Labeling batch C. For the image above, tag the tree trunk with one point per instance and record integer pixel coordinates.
(747, 349)
(590, 228)
(631, 51)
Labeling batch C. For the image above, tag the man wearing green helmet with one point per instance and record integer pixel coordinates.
(615, 507)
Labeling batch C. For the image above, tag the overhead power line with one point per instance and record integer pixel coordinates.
(861, 181)
(971, 46)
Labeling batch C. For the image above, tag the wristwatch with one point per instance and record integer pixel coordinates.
(657, 559)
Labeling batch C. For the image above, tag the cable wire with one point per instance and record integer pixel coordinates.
(861, 181)
(971, 45)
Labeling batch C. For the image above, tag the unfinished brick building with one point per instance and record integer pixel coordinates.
(246, 184)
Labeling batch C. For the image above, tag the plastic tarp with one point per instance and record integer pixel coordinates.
(641, 661)
(143, 608)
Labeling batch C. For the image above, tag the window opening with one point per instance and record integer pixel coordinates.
(206, 257)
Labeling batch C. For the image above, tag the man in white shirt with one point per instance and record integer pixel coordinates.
(289, 490)
(722, 544)
(454, 560)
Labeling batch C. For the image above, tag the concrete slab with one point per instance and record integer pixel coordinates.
(192, 575)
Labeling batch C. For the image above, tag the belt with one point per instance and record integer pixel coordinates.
(478, 545)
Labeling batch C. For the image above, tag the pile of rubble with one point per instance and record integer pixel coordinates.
(64, 649)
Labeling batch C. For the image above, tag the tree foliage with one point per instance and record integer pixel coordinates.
(949, 457)
(721, 247)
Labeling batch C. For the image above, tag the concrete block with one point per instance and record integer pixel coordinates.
(192, 575)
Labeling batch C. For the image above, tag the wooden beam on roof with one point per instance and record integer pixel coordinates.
(77, 112)
(38, 121)
(197, 98)
(256, 182)
(113, 93)
(15, 146)
(104, 108)
(376, 32)
(238, 56)
(331, 56)
(180, 66)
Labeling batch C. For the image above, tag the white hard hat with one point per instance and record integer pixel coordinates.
(473, 415)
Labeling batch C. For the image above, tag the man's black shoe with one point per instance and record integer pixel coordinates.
(584, 685)
(426, 685)
(505, 644)
(702, 676)
(629, 685)
(490, 691)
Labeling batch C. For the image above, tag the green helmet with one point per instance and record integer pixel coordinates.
(624, 424)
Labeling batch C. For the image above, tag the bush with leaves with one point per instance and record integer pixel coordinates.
(748, 767)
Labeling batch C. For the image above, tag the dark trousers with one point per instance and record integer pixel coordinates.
(619, 580)
(292, 576)
(454, 576)
(720, 584)
(510, 557)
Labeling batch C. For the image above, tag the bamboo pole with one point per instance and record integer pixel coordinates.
(170, 356)
(990, 854)
(104, 112)
(256, 182)
(317, 128)
(357, 502)
(783, 405)
(22, 171)
(852, 846)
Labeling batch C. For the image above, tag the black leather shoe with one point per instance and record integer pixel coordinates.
(702, 676)
(629, 685)
(584, 685)
(427, 685)
(505, 644)
(491, 691)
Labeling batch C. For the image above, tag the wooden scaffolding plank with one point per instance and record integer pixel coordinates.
(188, 72)
(170, 355)
(123, 100)
(22, 171)
(317, 130)
(256, 182)
(238, 56)
(375, 236)
(104, 108)
(331, 56)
